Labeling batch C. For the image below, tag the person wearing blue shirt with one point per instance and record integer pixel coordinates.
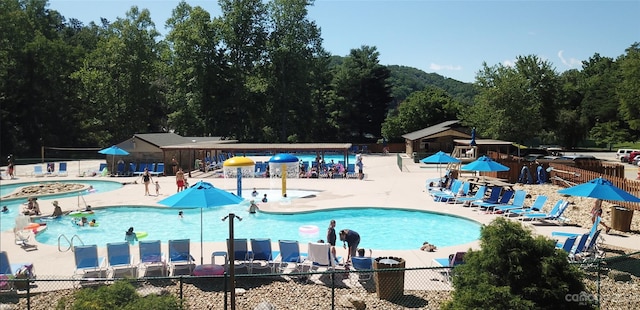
(352, 239)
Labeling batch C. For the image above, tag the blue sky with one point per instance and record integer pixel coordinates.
(451, 38)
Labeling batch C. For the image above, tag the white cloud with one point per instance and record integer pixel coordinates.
(437, 67)
(509, 63)
(571, 62)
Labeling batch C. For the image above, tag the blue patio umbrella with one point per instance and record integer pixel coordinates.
(484, 164)
(113, 151)
(439, 158)
(600, 188)
(201, 195)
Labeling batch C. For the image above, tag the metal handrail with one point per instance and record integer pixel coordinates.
(70, 242)
(59, 243)
(76, 237)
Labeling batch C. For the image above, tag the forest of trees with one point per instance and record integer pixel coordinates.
(259, 73)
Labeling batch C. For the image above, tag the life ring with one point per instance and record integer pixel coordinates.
(80, 213)
(31, 226)
(308, 230)
(141, 234)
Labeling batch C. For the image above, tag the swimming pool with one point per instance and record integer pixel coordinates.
(7, 220)
(379, 228)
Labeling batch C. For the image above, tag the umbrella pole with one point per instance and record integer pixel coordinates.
(201, 247)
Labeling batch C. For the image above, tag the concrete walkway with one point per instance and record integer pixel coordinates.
(384, 185)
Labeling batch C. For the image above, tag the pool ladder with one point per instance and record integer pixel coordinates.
(69, 242)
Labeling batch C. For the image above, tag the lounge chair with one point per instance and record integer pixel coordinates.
(494, 195)
(88, 263)
(536, 206)
(18, 270)
(120, 261)
(152, 258)
(518, 203)
(577, 249)
(592, 232)
(319, 257)
(503, 200)
(261, 252)
(478, 196)
(362, 263)
(120, 169)
(241, 254)
(22, 238)
(462, 191)
(446, 194)
(37, 171)
(551, 216)
(102, 168)
(289, 254)
(62, 170)
(180, 256)
(450, 262)
(159, 170)
(132, 169)
(567, 245)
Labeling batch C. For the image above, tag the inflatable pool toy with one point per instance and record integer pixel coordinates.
(80, 213)
(31, 226)
(141, 234)
(308, 230)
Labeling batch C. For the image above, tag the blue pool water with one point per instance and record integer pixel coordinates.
(379, 228)
(7, 220)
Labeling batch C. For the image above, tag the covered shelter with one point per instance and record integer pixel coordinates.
(439, 137)
(200, 149)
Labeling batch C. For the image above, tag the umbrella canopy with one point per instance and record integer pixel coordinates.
(484, 164)
(201, 195)
(440, 158)
(600, 188)
(113, 150)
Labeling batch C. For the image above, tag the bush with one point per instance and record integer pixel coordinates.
(515, 270)
(120, 295)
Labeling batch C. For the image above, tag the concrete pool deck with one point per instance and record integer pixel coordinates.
(385, 186)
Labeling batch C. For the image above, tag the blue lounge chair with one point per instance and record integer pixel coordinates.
(445, 194)
(493, 197)
(593, 230)
(132, 169)
(88, 263)
(551, 216)
(62, 170)
(289, 254)
(180, 256)
(503, 200)
(119, 260)
(261, 252)
(159, 169)
(567, 245)
(537, 205)
(152, 258)
(463, 191)
(37, 171)
(451, 261)
(518, 203)
(577, 249)
(120, 169)
(241, 254)
(8, 270)
(478, 196)
(362, 263)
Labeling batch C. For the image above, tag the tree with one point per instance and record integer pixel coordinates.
(364, 94)
(421, 109)
(515, 103)
(515, 270)
(629, 87)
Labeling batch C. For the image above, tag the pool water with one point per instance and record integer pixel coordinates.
(379, 228)
(7, 220)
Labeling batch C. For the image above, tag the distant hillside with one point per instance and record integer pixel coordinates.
(405, 80)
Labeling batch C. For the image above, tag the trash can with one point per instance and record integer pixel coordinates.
(389, 284)
(621, 218)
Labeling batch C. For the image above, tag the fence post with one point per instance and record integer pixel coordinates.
(224, 285)
(599, 264)
(181, 296)
(333, 289)
(28, 294)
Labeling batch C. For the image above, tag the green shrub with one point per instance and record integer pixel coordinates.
(120, 295)
(515, 270)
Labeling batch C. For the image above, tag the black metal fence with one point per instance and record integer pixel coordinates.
(610, 283)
